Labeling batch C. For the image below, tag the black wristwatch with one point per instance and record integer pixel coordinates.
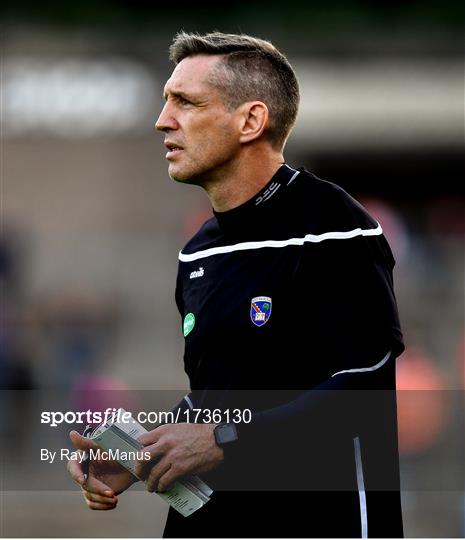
(225, 434)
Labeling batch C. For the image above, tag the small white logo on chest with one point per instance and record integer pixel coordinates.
(197, 273)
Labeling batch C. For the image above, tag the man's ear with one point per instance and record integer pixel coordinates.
(253, 120)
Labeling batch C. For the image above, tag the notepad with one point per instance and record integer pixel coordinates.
(186, 495)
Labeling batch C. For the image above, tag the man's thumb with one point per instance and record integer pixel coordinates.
(80, 442)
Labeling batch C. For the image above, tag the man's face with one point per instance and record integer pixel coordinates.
(200, 133)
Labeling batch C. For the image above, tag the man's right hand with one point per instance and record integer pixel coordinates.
(106, 478)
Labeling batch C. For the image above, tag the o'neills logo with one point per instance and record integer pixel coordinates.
(118, 455)
(197, 273)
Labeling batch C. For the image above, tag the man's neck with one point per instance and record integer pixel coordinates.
(243, 180)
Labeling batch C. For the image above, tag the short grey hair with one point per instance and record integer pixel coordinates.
(252, 69)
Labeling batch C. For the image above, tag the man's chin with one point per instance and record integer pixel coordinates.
(184, 177)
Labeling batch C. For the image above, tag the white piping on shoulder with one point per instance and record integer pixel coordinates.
(188, 401)
(312, 238)
(361, 489)
(293, 177)
(290, 168)
(362, 370)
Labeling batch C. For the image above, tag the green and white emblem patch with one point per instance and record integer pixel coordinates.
(189, 323)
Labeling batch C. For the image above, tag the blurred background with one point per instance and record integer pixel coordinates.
(91, 224)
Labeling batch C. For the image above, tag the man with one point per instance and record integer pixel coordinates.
(288, 312)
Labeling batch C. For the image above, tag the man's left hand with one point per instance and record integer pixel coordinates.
(177, 450)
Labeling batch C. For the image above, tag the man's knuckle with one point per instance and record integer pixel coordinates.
(169, 441)
(177, 469)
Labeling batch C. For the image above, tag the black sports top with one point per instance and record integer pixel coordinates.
(287, 303)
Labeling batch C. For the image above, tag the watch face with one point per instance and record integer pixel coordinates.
(226, 433)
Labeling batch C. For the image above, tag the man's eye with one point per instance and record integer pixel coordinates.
(184, 101)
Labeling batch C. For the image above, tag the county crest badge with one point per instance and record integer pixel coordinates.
(260, 310)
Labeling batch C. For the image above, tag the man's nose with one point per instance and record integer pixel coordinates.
(166, 120)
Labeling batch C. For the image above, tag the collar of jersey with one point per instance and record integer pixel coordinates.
(242, 215)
